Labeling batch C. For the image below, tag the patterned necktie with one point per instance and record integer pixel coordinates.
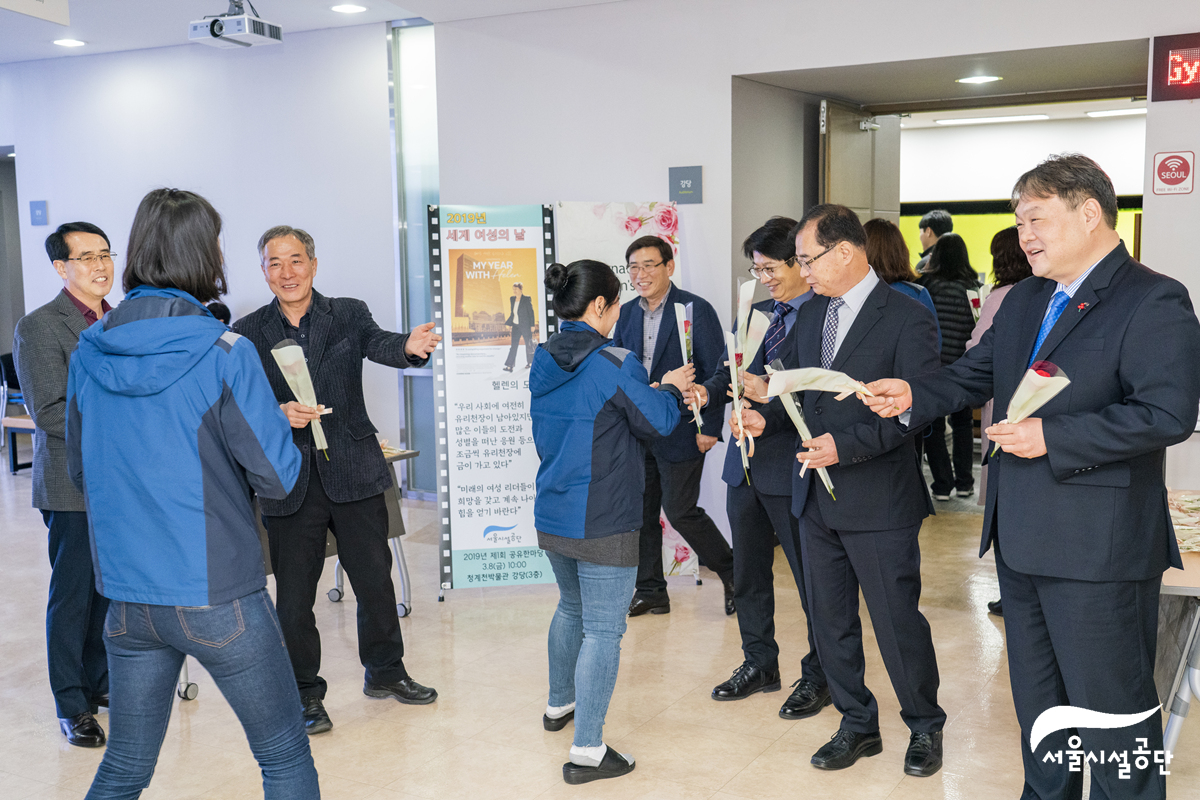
(829, 336)
(776, 330)
(1057, 304)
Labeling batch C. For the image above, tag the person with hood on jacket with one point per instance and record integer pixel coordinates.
(170, 424)
(592, 409)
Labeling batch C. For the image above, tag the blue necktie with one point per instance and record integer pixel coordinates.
(1057, 304)
(776, 331)
(829, 335)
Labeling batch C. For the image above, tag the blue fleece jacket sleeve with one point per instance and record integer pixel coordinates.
(651, 412)
(257, 431)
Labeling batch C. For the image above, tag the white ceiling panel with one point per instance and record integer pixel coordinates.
(450, 10)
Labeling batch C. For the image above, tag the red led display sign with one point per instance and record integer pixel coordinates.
(1176, 67)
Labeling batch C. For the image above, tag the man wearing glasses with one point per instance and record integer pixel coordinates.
(674, 463)
(42, 348)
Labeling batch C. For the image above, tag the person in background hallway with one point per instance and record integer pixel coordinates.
(220, 311)
(1010, 266)
(867, 537)
(934, 225)
(1077, 508)
(674, 464)
(340, 490)
(170, 424)
(42, 346)
(521, 320)
(759, 508)
(592, 407)
(948, 277)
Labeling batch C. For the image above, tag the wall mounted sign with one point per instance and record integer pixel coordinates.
(1176, 68)
(39, 214)
(687, 184)
(1174, 173)
(51, 10)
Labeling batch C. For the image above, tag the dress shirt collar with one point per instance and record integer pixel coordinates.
(88, 314)
(1074, 287)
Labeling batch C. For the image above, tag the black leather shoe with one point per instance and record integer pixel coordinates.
(406, 691)
(747, 680)
(845, 748)
(656, 606)
(557, 724)
(613, 765)
(730, 605)
(996, 607)
(315, 719)
(98, 702)
(924, 756)
(805, 700)
(82, 730)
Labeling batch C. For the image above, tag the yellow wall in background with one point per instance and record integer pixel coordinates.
(978, 230)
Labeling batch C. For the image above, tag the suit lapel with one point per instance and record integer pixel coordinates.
(760, 358)
(318, 330)
(664, 332)
(1034, 315)
(637, 323)
(1085, 299)
(808, 338)
(71, 317)
(866, 318)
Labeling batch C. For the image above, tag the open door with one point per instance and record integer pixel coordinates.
(860, 161)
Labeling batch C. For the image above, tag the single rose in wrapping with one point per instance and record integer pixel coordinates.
(1041, 384)
(683, 321)
(290, 358)
(791, 404)
(815, 379)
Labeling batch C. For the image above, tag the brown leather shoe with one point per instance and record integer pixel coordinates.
(82, 730)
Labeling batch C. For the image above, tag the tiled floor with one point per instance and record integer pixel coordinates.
(484, 650)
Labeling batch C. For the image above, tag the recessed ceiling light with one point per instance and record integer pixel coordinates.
(69, 43)
(1118, 112)
(348, 9)
(980, 79)
(989, 120)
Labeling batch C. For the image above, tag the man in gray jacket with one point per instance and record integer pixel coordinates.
(42, 348)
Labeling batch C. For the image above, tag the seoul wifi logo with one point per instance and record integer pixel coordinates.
(1173, 170)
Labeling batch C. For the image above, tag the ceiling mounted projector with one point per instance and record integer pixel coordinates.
(234, 28)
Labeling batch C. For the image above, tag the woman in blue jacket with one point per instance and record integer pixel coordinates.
(170, 422)
(592, 408)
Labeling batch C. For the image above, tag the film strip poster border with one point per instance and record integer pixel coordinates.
(551, 249)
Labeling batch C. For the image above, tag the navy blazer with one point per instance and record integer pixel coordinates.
(1094, 508)
(878, 481)
(774, 456)
(708, 351)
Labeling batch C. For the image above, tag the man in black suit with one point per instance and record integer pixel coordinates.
(759, 505)
(521, 320)
(867, 537)
(341, 489)
(1078, 518)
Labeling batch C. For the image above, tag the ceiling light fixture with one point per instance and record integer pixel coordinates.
(980, 79)
(348, 9)
(989, 120)
(69, 43)
(1118, 112)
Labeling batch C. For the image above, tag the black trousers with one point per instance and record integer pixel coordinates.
(297, 545)
(947, 473)
(675, 488)
(75, 654)
(756, 520)
(1090, 645)
(519, 333)
(886, 565)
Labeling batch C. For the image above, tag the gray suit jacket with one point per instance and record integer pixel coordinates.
(42, 348)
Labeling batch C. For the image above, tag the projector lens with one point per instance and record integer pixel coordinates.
(216, 28)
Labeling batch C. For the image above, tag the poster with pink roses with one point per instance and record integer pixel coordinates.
(603, 231)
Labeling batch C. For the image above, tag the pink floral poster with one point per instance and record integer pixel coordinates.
(603, 231)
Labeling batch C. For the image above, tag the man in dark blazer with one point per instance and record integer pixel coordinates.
(340, 489)
(867, 537)
(1078, 517)
(43, 344)
(759, 509)
(674, 463)
(521, 320)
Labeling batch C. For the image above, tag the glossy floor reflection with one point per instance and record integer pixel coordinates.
(484, 650)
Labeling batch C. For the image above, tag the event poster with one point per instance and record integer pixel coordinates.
(603, 231)
(487, 266)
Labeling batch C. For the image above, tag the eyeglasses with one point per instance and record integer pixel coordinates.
(806, 263)
(769, 272)
(93, 261)
(634, 269)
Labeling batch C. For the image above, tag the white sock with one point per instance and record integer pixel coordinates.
(558, 712)
(588, 756)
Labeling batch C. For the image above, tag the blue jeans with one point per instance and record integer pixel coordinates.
(585, 640)
(241, 646)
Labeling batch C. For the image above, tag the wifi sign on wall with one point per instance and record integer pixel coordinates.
(1174, 172)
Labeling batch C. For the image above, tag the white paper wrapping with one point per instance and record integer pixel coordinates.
(290, 358)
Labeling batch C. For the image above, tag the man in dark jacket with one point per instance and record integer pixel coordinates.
(674, 464)
(342, 489)
(521, 320)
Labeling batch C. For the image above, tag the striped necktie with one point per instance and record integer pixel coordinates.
(829, 336)
(776, 331)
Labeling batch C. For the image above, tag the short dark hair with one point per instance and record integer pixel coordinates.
(949, 261)
(887, 252)
(56, 243)
(220, 311)
(519, 285)
(835, 223)
(1072, 178)
(577, 284)
(773, 240)
(1009, 262)
(939, 221)
(663, 247)
(175, 244)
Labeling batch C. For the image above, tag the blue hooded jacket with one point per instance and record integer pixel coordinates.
(170, 422)
(592, 408)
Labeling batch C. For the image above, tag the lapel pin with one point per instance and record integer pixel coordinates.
(1082, 306)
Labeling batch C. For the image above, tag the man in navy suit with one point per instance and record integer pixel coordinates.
(1078, 519)
(674, 463)
(867, 537)
(759, 505)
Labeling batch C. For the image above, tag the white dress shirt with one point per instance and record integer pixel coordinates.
(854, 300)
